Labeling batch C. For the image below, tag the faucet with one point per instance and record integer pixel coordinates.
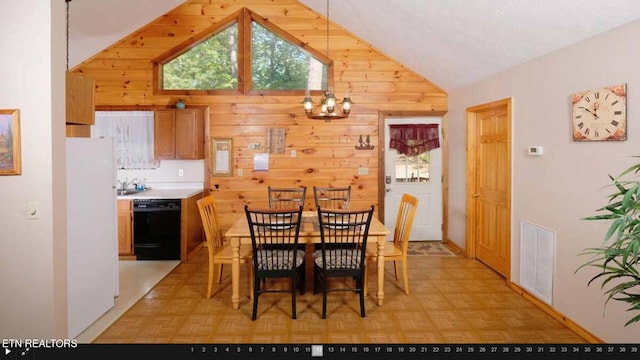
(125, 184)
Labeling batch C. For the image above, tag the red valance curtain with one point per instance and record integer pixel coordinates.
(414, 139)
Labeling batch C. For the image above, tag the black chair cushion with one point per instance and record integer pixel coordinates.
(339, 258)
(278, 259)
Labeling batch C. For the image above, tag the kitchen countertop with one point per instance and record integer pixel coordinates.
(162, 194)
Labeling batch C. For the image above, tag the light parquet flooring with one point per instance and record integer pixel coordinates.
(453, 300)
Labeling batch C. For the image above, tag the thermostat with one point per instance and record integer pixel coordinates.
(535, 150)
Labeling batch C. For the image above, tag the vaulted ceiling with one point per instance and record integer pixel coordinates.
(452, 43)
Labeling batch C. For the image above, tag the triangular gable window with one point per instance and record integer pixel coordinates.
(277, 64)
(215, 61)
(212, 64)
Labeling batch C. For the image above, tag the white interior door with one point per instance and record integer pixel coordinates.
(425, 183)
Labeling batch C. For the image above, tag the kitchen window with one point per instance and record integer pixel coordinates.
(132, 133)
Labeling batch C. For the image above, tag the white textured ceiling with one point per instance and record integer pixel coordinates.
(453, 43)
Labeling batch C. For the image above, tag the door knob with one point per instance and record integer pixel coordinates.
(475, 195)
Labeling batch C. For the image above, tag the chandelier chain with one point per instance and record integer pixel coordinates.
(327, 28)
(67, 25)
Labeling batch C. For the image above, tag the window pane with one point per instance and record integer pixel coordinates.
(211, 65)
(280, 65)
(412, 168)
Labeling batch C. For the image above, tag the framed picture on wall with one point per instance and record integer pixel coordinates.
(222, 157)
(10, 156)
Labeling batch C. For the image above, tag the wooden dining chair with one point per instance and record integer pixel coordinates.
(332, 197)
(274, 240)
(219, 251)
(286, 198)
(343, 236)
(396, 251)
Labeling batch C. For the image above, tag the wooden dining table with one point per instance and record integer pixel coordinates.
(239, 235)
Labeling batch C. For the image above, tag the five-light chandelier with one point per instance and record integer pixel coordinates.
(330, 108)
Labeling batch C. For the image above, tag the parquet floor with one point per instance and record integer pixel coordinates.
(453, 300)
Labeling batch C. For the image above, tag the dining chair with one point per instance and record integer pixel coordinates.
(274, 240)
(332, 197)
(396, 251)
(219, 251)
(343, 241)
(286, 198)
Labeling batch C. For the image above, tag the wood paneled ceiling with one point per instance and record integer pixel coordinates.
(452, 43)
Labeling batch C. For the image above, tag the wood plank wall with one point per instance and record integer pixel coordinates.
(326, 154)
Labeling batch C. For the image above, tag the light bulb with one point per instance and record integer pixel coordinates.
(331, 102)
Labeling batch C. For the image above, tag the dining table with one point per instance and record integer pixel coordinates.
(239, 235)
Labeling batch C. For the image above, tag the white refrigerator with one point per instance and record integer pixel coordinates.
(92, 243)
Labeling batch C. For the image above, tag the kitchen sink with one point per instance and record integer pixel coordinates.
(128, 191)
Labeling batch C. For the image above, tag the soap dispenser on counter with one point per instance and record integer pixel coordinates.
(142, 185)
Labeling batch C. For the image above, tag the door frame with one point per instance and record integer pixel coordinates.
(472, 147)
(444, 143)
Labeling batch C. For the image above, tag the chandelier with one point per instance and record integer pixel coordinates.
(329, 108)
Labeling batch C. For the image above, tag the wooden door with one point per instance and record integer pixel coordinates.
(489, 184)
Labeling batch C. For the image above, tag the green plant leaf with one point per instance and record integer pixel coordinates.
(617, 259)
(612, 229)
(634, 168)
(633, 320)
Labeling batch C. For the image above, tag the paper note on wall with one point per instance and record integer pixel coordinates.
(261, 162)
(222, 158)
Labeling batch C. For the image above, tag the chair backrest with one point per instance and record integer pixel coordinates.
(404, 221)
(274, 236)
(344, 234)
(209, 216)
(287, 198)
(332, 197)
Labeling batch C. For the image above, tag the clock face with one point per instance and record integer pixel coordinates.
(600, 114)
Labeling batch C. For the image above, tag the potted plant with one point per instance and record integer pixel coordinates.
(617, 257)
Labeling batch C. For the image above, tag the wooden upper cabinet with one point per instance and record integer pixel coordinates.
(179, 134)
(164, 134)
(189, 134)
(80, 100)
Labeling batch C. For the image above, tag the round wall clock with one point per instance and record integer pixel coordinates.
(600, 114)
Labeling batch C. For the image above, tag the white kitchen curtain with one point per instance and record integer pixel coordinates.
(132, 133)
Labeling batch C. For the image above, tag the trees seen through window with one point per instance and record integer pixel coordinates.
(214, 62)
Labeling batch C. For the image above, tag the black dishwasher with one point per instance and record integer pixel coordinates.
(156, 229)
